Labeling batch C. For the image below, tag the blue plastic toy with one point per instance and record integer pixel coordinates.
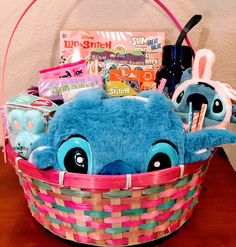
(25, 127)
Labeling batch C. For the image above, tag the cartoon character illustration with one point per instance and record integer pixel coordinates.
(96, 134)
(199, 89)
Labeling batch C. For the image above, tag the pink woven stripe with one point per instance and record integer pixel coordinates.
(84, 239)
(97, 181)
(186, 214)
(82, 218)
(168, 193)
(187, 204)
(58, 231)
(153, 203)
(181, 193)
(174, 227)
(47, 198)
(148, 238)
(163, 227)
(79, 206)
(117, 242)
(164, 216)
(29, 196)
(113, 220)
(133, 223)
(100, 236)
(38, 218)
(99, 225)
(116, 208)
(41, 209)
(196, 180)
(66, 219)
(46, 208)
(178, 205)
(149, 216)
(26, 185)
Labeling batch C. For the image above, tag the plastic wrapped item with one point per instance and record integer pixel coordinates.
(27, 119)
(53, 89)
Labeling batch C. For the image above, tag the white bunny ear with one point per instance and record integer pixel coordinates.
(202, 66)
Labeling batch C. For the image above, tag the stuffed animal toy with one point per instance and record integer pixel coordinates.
(198, 89)
(96, 134)
(25, 127)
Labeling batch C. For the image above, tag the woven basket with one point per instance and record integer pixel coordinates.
(124, 210)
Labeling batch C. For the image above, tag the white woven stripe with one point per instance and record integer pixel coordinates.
(181, 170)
(61, 178)
(17, 163)
(128, 181)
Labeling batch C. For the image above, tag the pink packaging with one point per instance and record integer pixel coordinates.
(53, 89)
(65, 71)
(85, 41)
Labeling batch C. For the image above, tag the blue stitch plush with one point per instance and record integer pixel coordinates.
(96, 134)
(197, 88)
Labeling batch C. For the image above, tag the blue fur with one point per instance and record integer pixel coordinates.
(122, 129)
(211, 118)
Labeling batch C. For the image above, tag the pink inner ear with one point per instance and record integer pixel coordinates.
(202, 66)
(30, 125)
(16, 124)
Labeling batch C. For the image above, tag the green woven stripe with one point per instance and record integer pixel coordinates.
(117, 194)
(37, 198)
(194, 202)
(117, 230)
(190, 193)
(82, 228)
(54, 220)
(75, 193)
(97, 214)
(176, 215)
(204, 168)
(166, 205)
(21, 183)
(33, 208)
(135, 211)
(183, 181)
(42, 185)
(153, 190)
(63, 208)
(148, 225)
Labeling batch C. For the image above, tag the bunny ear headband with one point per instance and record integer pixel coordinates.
(202, 72)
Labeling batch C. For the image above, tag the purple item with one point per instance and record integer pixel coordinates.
(54, 88)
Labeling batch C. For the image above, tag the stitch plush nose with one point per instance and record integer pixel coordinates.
(118, 167)
(197, 101)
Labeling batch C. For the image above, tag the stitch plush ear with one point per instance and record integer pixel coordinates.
(90, 98)
(187, 75)
(208, 138)
(157, 99)
(43, 157)
(202, 66)
(16, 119)
(34, 122)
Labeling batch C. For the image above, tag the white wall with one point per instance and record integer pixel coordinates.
(36, 43)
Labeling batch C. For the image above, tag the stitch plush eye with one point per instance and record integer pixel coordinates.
(162, 155)
(217, 106)
(180, 96)
(74, 155)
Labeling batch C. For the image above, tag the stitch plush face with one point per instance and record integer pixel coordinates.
(199, 89)
(96, 134)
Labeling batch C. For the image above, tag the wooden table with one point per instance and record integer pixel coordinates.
(213, 223)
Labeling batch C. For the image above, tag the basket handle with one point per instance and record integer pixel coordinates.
(167, 11)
